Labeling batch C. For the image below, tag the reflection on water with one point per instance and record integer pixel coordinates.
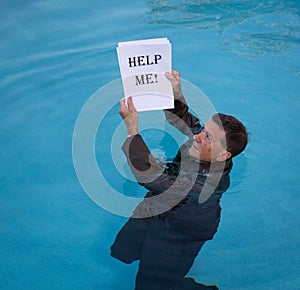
(278, 30)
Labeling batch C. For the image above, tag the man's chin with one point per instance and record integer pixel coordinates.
(193, 154)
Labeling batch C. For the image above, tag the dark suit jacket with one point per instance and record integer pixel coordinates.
(183, 197)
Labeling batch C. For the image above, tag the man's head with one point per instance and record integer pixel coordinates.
(222, 137)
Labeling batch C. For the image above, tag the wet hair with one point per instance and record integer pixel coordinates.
(236, 135)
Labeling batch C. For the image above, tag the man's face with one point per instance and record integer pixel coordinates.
(207, 145)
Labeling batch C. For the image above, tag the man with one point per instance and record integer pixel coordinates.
(181, 210)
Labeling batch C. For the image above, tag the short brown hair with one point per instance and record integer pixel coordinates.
(236, 134)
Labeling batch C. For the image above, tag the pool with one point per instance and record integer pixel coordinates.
(54, 55)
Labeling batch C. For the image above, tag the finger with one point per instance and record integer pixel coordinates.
(169, 76)
(130, 104)
(123, 108)
(175, 73)
(122, 105)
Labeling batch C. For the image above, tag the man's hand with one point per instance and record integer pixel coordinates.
(129, 115)
(174, 78)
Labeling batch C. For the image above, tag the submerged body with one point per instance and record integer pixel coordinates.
(166, 244)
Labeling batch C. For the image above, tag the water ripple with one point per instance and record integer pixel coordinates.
(259, 27)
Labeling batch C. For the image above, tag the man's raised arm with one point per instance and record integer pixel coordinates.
(142, 164)
(180, 117)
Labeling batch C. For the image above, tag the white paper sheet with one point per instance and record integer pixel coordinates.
(143, 64)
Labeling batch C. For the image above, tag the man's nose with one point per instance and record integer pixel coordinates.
(198, 137)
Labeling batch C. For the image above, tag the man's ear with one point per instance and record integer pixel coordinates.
(223, 156)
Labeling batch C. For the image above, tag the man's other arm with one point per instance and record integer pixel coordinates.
(180, 117)
(142, 163)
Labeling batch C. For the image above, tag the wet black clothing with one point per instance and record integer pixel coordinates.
(167, 241)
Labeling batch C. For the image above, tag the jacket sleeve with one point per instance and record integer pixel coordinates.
(182, 119)
(144, 166)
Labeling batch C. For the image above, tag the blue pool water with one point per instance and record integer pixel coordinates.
(55, 54)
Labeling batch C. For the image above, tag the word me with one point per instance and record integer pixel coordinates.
(145, 79)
